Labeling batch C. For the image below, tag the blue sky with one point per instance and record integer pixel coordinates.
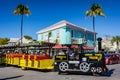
(47, 12)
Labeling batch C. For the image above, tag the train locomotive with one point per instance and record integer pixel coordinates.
(80, 61)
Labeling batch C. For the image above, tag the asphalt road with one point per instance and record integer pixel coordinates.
(15, 73)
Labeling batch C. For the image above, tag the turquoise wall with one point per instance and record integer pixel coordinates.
(54, 35)
(76, 34)
(82, 34)
(89, 39)
(39, 37)
(65, 36)
(68, 36)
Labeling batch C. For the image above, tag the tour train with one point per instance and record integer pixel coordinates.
(48, 56)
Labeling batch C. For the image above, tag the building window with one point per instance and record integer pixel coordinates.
(42, 36)
(46, 37)
(58, 33)
(85, 36)
(72, 33)
(93, 37)
(79, 35)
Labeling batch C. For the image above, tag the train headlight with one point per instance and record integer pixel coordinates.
(55, 63)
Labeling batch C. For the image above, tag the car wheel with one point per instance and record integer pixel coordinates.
(118, 61)
(111, 62)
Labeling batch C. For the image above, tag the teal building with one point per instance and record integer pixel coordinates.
(65, 32)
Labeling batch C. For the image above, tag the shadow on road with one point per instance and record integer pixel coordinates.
(11, 77)
(7, 65)
(39, 70)
(2, 65)
(109, 73)
(77, 73)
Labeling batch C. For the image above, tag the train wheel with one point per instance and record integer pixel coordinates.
(23, 68)
(99, 70)
(84, 67)
(63, 66)
(93, 69)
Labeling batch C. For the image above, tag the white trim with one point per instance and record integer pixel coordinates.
(51, 28)
(74, 62)
(61, 24)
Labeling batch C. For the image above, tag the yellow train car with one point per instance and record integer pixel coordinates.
(42, 62)
(29, 55)
(13, 59)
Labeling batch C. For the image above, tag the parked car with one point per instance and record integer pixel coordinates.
(111, 59)
(118, 55)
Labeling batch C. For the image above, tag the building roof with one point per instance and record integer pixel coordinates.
(61, 24)
(14, 39)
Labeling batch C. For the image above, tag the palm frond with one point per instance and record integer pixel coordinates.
(102, 14)
(87, 13)
(94, 10)
(115, 39)
(21, 9)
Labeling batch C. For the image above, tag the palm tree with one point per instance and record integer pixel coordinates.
(27, 37)
(116, 39)
(49, 35)
(95, 10)
(21, 10)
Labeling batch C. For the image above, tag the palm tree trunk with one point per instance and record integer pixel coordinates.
(117, 46)
(21, 30)
(48, 39)
(94, 31)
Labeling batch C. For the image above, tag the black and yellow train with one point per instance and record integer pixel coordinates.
(79, 60)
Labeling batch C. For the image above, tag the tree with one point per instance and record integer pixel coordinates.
(116, 39)
(28, 37)
(49, 35)
(105, 48)
(95, 10)
(21, 10)
(4, 41)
